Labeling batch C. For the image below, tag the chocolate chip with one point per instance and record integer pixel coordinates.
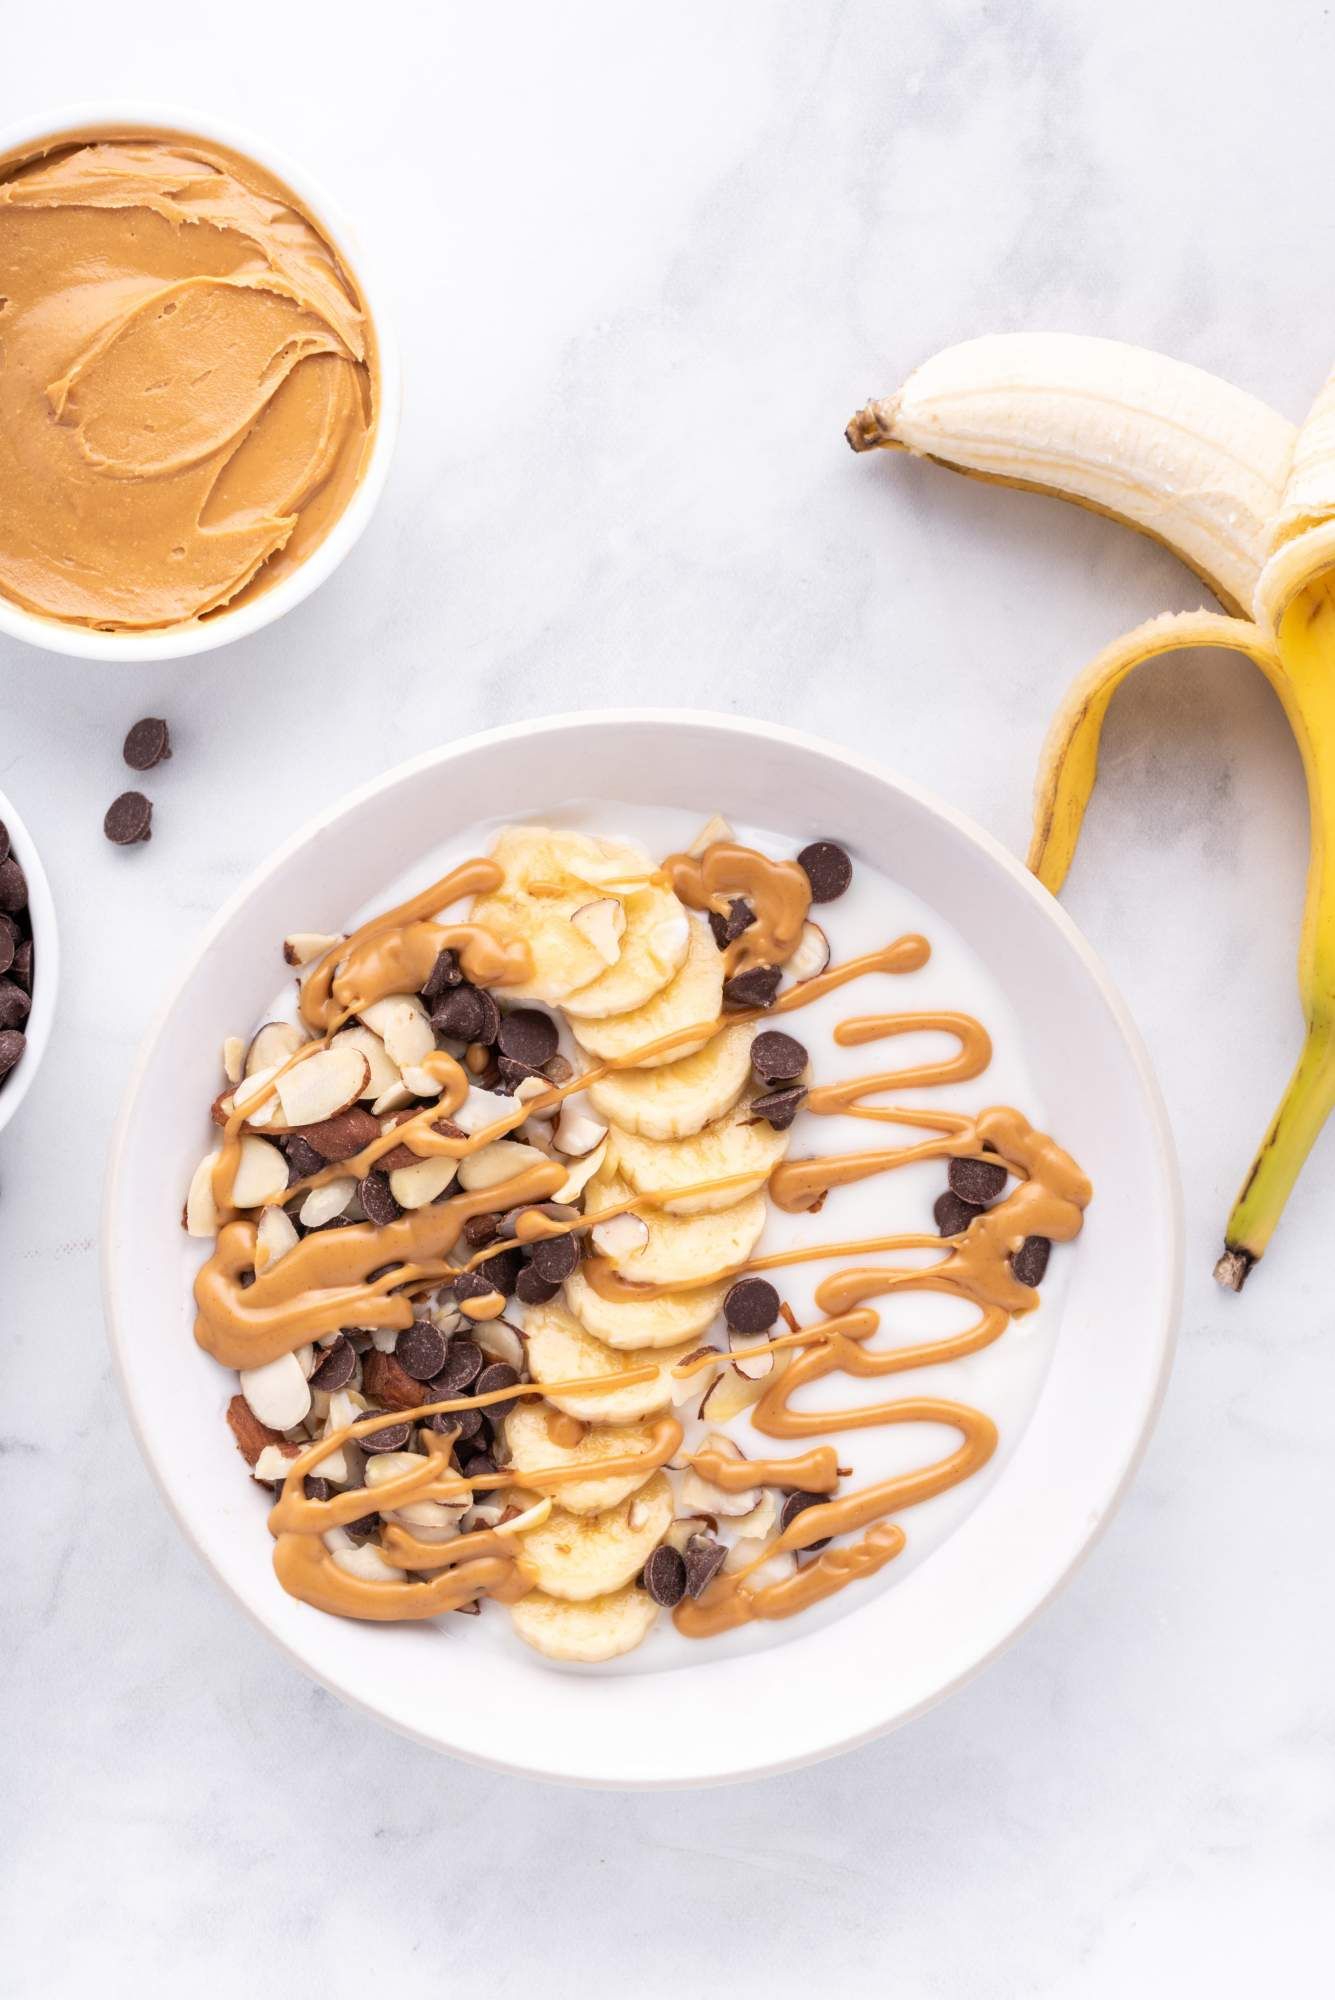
(1030, 1261)
(500, 1272)
(755, 988)
(951, 1215)
(527, 1036)
(778, 1058)
(339, 1137)
(480, 1229)
(9, 942)
(128, 820)
(665, 1576)
(460, 1014)
(14, 1004)
(445, 973)
(420, 1350)
(797, 1503)
(727, 929)
(513, 1072)
(828, 869)
(148, 742)
(498, 1375)
(491, 1021)
(554, 1257)
(302, 1157)
(316, 1488)
(978, 1182)
(12, 1045)
(13, 886)
(376, 1198)
(752, 1306)
(472, 1285)
(779, 1107)
(362, 1529)
(23, 965)
(465, 1424)
(703, 1560)
(338, 1367)
(462, 1366)
(479, 1466)
(390, 1437)
(533, 1290)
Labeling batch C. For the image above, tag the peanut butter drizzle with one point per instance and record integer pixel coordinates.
(778, 892)
(815, 1471)
(972, 1058)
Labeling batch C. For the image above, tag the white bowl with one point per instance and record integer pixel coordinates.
(900, 1648)
(181, 641)
(45, 964)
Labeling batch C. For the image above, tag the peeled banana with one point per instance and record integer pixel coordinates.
(561, 1349)
(582, 1556)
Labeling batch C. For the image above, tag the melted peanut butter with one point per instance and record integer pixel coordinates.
(779, 892)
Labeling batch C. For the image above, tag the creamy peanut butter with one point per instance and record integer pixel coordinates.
(188, 380)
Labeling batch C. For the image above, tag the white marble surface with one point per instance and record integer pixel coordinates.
(645, 263)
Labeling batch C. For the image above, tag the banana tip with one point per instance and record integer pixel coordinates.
(1233, 1268)
(872, 426)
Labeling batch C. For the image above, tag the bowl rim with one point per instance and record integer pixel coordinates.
(187, 641)
(46, 961)
(1162, 1335)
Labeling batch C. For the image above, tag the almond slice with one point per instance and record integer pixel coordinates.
(603, 925)
(402, 1023)
(326, 1083)
(620, 1236)
(500, 1161)
(754, 1367)
(261, 1174)
(201, 1211)
(275, 1236)
(272, 1045)
(811, 954)
(303, 946)
(415, 1186)
(581, 1173)
(578, 1130)
(384, 1073)
(234, 1058)
(278, 1393)
(710, 834)
(322, 1204)
(248, 1091)
(701, 1493)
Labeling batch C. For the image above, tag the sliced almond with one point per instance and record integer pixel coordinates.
(273, 1461)
(532, 1517)
(383, 1072)
(382, 1466)
(603, 925)
(367, 1563)
(304, 946)
(578, 1130)
(249, 1092)
(272, 1045)
(275, 1236)
(500, 1161)
(415, 1186)
(581, 1173)
(402, 1023)
(421, 1082)
(710, 834)
(500, 1341)
(481, 1109)
(763, 1519)
(686, 1526)
(397, 1098)
(701, 1493)
(261, 1174)
(686, 1387)
(201, 1211)
(620, 1236)
(326, 1083)
(727, 1396)
(754, 1367)
(812, 953)
(234, 1058)
(322, 1204)
(278, 1393)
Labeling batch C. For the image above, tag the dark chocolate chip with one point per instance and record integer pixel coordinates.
(665, 1576)
(9, 943)
(512, 1072)
(129, 819)
(491, 1020)
(420, 1350)
(501, 1271)
(148, 742)
(797, 1503)
(479, 1466)
(13, 886)
(362, 1529)
(472, 1285)
(752, 1306)
(346, 1133)
(1030, 1261)
(527, 1036)
(755, 988)
(828, 869)
(480, 1229)
(779, 1107)
(778, 1058)
(727, 929)
(12, 1044)
(703, 1561)
(459, 1014)
(445, 973)
(338, 1366)
(465, 1424)
(951, 1215)
(23, 965)
(497, 1375)
(14, 1004)
(390, 1437)
(554, 1257)
(302, 1157)
(463, 1364)
(533, 1290)
(978, 1182)
(376, 1198)
(316, 1488)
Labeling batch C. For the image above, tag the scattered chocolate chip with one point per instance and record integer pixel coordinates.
(554, 1257)
(491, 1021)
(339, 1137)
(500, 1271)
(527, 1036)
(797, 1503)
(779, 1107)
(978, 1182)
(480, 1229)
(751, 1306)
(513, 1072)
(376, 1198)
(665, 1576)
(9, 943)
(951, 1215)
(23, 965)
(460, 1014)
(13, 885)
(465, 1424)
(316, 1488)
(755, 988)
(147, 744)
(557, 1070)
(479, 1466)
(12, 1045)
(362, 1529)
(129, 819)
(497, 1375)
(338, 1367)
(390, 1437)
(778, 1058)
(1030, 1261)
(828, 869)
(420, 1350)
(727, 929)
(472, 1285)
(533, 1290)
(703, 1560)
(14, 1004)
(445, 973)
(302, 1157)
(463, 1364)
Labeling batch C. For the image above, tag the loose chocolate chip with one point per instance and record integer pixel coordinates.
(373, 1192)
(491, 1020)
(362, 1529)
(479, 1466)
(533, 1290)
(346, 1133)
(828, 869)
(1030, 1261)
(472, 1285)
(460, 1014)
(14, 1004)
(463, 1365)
(703, 1561)
(778, 1058)
(727, 929)
(555, 1257)
(755, 988)
(951, 1215)
(23, 965)
(795, 1504)
(338, 1367)
(480, 1229)
(8, 945)
(316, 1488)
(445, 973)
(978, 1182)
(302, 1158)
(665, 1576)
(390, 1437)
(779, 1107)
(527, 1036)
(752, 1306)
(420, 1350)
(501, 1271)
(13, 886)
(498, 1375)
(465, 1424)
(129, 819)
(12, 1045)
(147, 744)
(557, 1070)
(512, 1072)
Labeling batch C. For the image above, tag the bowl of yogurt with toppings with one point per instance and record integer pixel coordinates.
(717, 1242)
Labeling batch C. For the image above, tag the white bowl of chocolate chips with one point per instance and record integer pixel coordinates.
(28, 959)
(1021, 1390)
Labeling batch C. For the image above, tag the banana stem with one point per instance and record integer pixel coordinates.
(1303, 1111)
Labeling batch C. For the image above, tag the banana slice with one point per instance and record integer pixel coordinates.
(682, 1247)
(677, 1320)
(600, 1629)
(693, 998)
(654, 945)
(532, 1449)
(732, 1145)
(579, 1556)
(560, 1349)
(682, 1097)
(549, 874)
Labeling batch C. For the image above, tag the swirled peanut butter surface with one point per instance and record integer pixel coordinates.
(187, 380)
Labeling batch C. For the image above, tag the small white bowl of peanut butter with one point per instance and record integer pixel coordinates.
(200, 396)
